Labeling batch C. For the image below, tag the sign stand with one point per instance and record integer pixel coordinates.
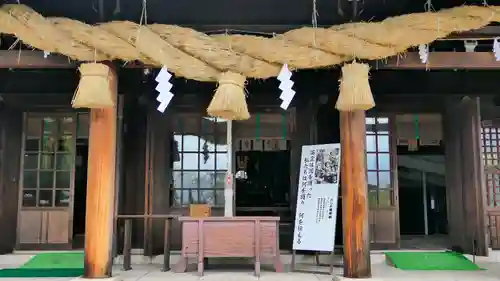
(317, 202)
(316, 258)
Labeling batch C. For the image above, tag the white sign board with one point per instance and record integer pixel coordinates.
(317, 198)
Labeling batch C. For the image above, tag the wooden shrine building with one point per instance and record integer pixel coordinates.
(419, 170)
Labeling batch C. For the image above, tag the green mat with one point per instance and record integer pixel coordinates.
(430, 261)
(58, 264)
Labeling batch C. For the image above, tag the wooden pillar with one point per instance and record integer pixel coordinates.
(100, 191)
(354, 195)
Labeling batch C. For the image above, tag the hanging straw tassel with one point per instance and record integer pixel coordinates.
(95, 89)
(229, 100)
(355, 92)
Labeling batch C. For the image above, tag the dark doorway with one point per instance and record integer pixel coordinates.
(422, 198)
(80, 194)
(263, 187)
(265, 179)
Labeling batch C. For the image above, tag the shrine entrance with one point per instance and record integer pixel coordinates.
(262, 171)
(423, 209)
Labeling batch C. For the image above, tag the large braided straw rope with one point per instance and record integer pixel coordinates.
(230, 59)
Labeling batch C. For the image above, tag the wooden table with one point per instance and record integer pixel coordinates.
(250, 237)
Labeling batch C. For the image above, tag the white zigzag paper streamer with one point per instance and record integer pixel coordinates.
(496, 48)
(286, 85)
(164, 86)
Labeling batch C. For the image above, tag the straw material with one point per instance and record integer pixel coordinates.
(195, 55)
(99, 39)
(95, 89)
(355, 92)
(339, 43)
(40, 33)
(162, 52)
(229, 100)
(279, 51)
(214, 53)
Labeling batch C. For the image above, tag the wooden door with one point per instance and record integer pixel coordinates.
(465, 176)
(490, 143)
(47, 181)
(382, 182)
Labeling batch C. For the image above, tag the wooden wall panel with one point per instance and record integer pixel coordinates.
(493, 220)
(160, 176)
(58, 225)
(453, 181)
(134, 149)
(12, 124)
(384, 228)
(30, 227)
(465, 176)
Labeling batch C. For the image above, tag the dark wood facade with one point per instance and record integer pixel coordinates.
(147, 173)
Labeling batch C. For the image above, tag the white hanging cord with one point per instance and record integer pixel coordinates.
(118, 5)
(423, 49)
(144, 13)
(428, 6)
(315, 16)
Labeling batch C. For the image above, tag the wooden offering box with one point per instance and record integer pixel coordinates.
(250, 237)
(200, 210)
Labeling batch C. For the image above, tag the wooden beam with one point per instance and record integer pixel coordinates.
(354, 195)
(100, 191)
(437, 60)
(441, 60)
(33, 59)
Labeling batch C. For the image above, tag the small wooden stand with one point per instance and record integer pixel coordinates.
(316, 257)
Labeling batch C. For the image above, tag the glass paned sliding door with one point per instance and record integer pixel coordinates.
(380, 163)
(47, 173)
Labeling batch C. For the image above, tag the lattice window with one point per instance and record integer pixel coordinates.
(490, 140)
(378, 162)
(201, 159)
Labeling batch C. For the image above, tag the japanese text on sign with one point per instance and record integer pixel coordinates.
(306, 180)
(317, 198)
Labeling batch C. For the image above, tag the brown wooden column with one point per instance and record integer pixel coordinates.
(354, 195)
(100, 192)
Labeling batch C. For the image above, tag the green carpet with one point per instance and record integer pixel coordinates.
(58, 264)
(430, 261)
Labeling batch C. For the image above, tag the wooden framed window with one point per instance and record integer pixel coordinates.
(490, 138)
(48, 160)
(200, 160)
(378, 162)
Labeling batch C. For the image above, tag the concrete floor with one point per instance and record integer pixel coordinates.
(145, 269)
